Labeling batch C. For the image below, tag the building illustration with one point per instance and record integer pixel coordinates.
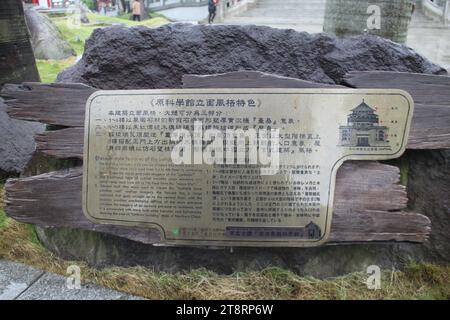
(363, 129)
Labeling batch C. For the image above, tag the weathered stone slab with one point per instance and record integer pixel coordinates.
(157, 58)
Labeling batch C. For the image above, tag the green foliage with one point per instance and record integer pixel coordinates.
(3, 219)
(32, 235)
(77, 35)
(404, 168)
(90, 4)
(427, 273)
(403, 165)
(49, 69)
(437, 278)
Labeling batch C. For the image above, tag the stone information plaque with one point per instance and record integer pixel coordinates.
(232, 167)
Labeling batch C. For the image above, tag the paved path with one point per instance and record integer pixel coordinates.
(430, 38)
(300, 15)
(22, 282)
(427, 37)
(186, 14)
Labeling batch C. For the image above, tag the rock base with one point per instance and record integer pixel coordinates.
(102, 250)
(429, 193)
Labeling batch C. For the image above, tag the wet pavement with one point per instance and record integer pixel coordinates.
(186, 14)
(22, 282)
(430, 38)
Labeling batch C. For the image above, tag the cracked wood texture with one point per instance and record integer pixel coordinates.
(64, 104)
(375, 215)
(60, 104)
(368, 217)
(431, 120)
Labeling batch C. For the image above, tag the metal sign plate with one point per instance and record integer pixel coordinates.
(171, 159)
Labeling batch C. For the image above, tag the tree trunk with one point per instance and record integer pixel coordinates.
(122, 6)
(385, 18)
(17, 63)
(144, 13)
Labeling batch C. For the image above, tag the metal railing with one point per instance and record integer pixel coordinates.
(230, 7)
(224, 8)
(168, 4)
(439, 10)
